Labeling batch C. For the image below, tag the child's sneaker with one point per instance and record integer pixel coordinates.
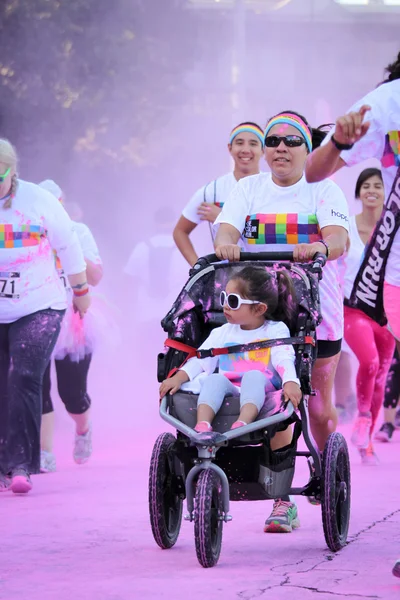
(283, 518)
(203, 427)
(83, 447)
(385, 433)
(47, 462)
(238, 424)
(361, 431)
(20, 481)
(368, 456)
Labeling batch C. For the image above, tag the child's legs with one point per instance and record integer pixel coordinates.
(359, 334)
(252, 395)
(385, 345)
(214, 389)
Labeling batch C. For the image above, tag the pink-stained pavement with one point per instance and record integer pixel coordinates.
(83, 533)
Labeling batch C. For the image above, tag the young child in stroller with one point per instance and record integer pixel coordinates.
(256, 303)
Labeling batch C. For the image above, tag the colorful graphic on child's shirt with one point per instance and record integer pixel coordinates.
(391, 153)
(235, 365)
(20, 237)
(281, 228)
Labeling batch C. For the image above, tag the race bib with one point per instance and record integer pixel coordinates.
(9, 285)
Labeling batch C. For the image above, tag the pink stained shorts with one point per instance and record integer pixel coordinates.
(391, 302)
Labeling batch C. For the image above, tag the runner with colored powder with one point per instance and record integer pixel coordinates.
(33, 302)
(280, 211)
(73, 355)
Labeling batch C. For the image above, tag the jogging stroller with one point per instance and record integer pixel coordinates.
(210, 469)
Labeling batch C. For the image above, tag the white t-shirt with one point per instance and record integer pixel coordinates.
(353, 258)
(382, 141)
(277, 362)
(159, 272)
(31, 230)
(89, 249)
(216, 192)
(275, 218)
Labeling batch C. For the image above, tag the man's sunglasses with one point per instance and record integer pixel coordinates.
(3, 177)
(291, 141)
(234, 301)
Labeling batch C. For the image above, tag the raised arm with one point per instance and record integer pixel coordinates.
(326, 160)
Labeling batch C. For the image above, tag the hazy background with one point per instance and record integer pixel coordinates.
(128, 104)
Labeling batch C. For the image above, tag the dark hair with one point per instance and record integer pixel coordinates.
(393, 70)
(274, 287)
(364, 176)
(317, 134)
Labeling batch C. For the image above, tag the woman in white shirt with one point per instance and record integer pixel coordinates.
(32, 304)
(281, 211)
(372, 344)
(246, 147)
(73, 355)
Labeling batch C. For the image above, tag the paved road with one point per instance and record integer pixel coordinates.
(83, 534)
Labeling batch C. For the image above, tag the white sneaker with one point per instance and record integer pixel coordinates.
(83, 447)
(47, 462)
(360, 436)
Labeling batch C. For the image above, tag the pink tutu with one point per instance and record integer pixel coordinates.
(98, 328)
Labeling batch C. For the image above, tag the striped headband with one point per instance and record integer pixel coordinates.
(294, 121)
(249, 129)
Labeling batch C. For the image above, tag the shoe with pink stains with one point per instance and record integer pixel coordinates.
(203, 427)
(20, 481)
(360, 436)
(238, 424)
(396, 568)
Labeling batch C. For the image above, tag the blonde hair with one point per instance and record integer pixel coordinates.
(8, 156)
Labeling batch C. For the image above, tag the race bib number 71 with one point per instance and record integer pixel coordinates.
(9, 285)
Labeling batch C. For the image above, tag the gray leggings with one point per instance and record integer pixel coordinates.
(217, 386)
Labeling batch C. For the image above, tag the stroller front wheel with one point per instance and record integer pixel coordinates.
(335, 496)
(208, 520)
(165, 505)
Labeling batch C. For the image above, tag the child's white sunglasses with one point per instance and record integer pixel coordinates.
(234, 301)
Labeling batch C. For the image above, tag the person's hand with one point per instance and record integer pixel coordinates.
(306, 252)
(208, 211)
(292, 392)
(170, 385)
(229, 252)
(81, 304)
(350, 128)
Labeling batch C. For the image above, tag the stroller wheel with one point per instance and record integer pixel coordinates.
(208, 518)
(165, 505)
(335, 496)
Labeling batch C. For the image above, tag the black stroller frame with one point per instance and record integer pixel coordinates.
(206, 486)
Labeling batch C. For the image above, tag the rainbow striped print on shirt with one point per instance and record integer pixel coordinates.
(20, 237)
(282, 228)
(391, 153)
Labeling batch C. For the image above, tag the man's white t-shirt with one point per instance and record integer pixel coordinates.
(278, 363)
(216, 192)
(382, 141)
(275, 218)
(353, 258)
(31, 231)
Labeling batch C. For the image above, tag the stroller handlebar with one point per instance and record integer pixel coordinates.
(318, 260)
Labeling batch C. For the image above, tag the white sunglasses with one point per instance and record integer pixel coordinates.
(234, 301)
